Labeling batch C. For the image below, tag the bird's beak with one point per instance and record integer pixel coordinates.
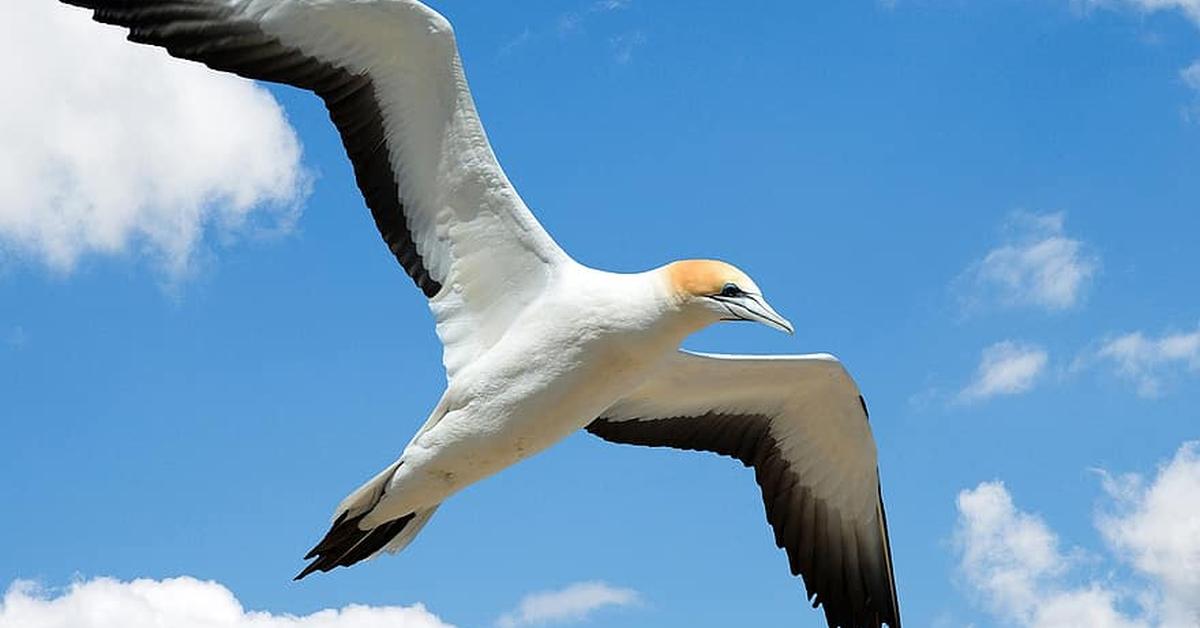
(760, 311)
(752, 307)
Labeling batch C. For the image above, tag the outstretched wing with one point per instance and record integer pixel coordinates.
(390, 74)
(801, 423)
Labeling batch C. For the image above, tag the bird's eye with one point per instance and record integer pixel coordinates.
(730, 290)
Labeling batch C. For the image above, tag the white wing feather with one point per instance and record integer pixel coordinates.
(476, 238)
(474, 232)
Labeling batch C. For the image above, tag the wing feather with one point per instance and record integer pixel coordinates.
(801, 423)
(390, 75)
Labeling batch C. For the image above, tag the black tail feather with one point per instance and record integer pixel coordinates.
(343, 533)
(346, 543)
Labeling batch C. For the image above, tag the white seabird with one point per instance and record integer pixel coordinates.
(537, 345)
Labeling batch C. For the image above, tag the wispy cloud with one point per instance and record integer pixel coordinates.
(180, 603)
(1006, 368)
(573, 20)
(1188, 8)
(1151, 362)
(1037, 265)
(118, 149)
(516, 42)
(1017, 567)
(625, 44)
(570, 24)
(573, 603)
(1191, 77)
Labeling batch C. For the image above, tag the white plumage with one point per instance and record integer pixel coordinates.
(537, 346)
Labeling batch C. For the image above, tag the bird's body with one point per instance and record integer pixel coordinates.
(536, 345)
(590, 339)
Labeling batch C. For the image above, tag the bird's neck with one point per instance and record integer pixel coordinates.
(642, 310)
(669, 320)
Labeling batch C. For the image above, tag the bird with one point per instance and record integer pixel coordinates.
(537, 346)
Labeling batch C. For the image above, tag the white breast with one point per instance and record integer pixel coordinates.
(585, 344)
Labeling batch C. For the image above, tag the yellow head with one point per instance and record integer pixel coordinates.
(721, 289)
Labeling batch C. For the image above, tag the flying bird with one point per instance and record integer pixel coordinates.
(537, 345)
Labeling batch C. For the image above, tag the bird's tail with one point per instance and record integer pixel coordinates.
(347, 543)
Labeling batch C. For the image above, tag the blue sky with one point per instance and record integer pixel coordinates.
(988, 210)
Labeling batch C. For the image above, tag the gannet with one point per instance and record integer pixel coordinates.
(537, 345)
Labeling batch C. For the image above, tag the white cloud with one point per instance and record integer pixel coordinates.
(1006, 368)
(114, 148)
(1013, 561)
(1157, 528)
(1038, 266)
(572, 603)
(180, 603)
(1149, 362)
(1006, 554)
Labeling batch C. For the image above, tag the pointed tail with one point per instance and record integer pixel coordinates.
(347, 543)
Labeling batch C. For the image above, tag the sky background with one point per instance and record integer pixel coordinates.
(988, 210)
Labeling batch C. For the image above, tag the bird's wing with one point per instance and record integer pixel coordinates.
(390, 74)
(801, 423)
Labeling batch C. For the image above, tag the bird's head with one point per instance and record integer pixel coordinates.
(717, 291)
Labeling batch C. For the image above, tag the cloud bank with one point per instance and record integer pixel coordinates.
(573, 603)
(1014, 563)
(112, 148)
(180, 603)
(1038, 266)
